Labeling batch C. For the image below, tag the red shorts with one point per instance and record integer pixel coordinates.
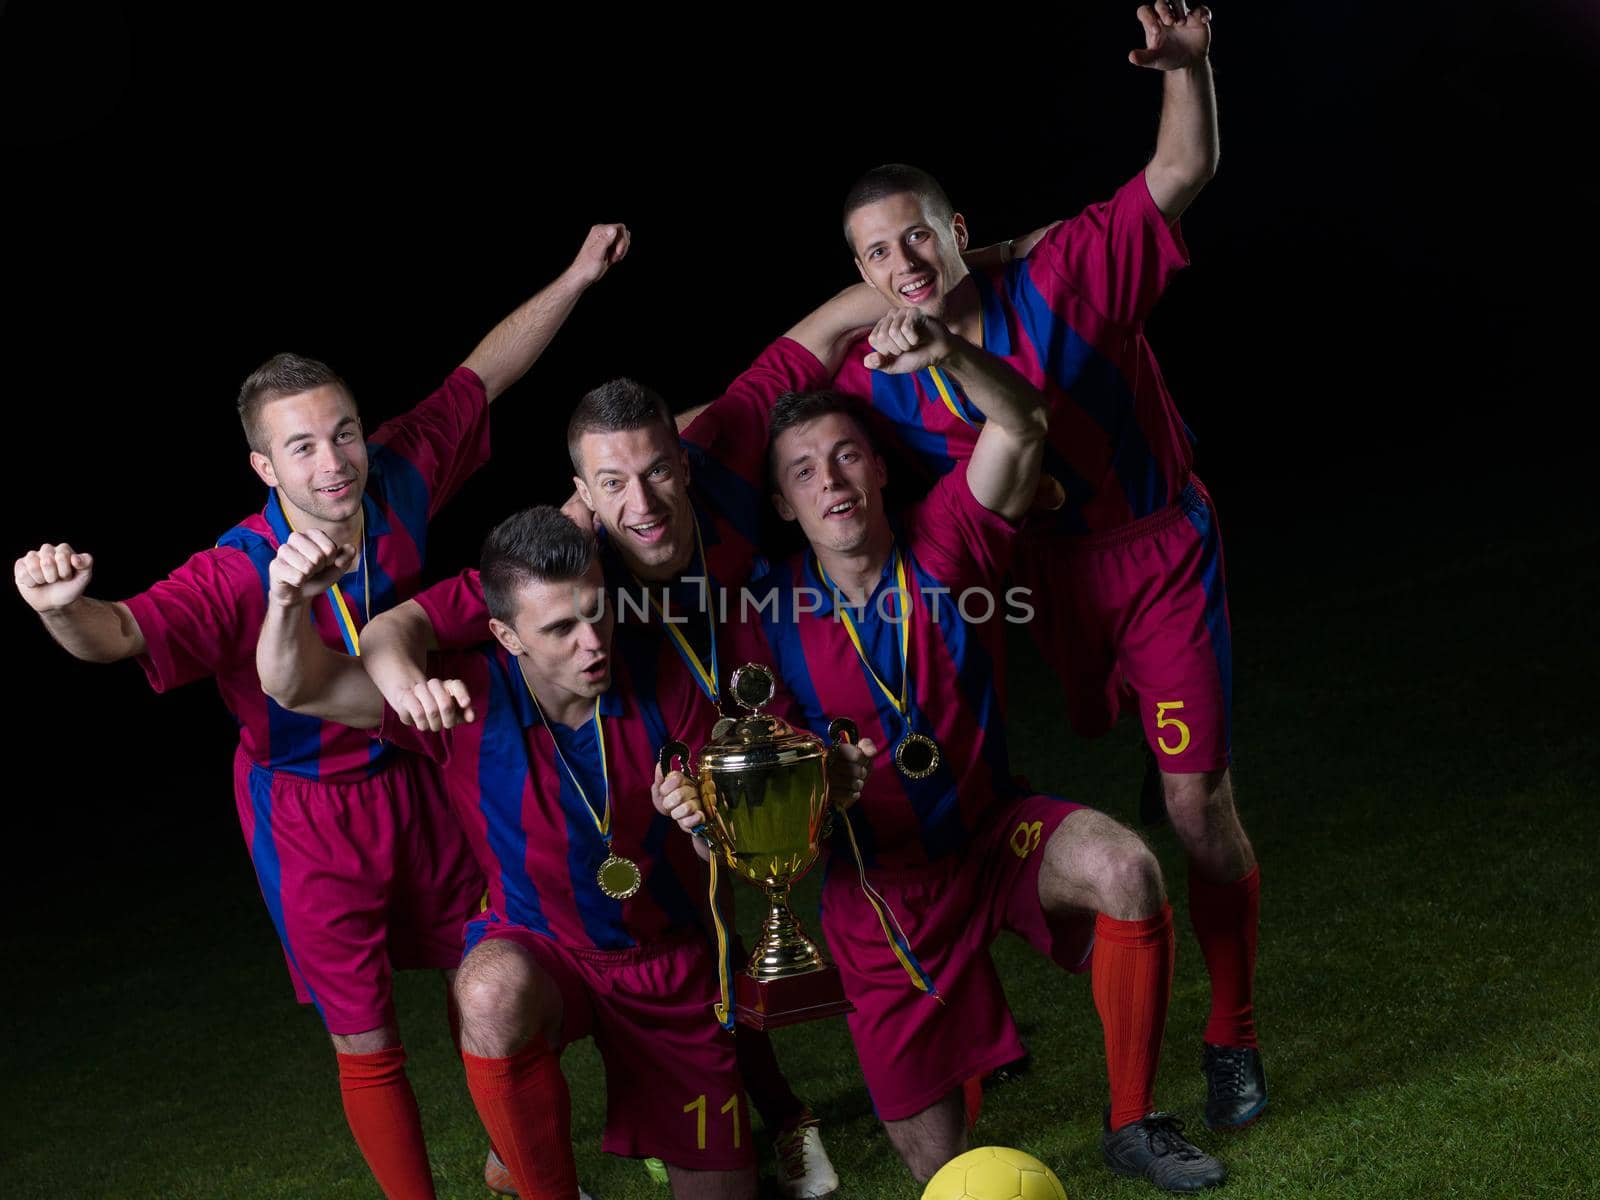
(913, 1050)
(359, 878)
(1139, 616)
(673, 1089)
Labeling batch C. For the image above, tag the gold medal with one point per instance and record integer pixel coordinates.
(916, 756)
(619, 877)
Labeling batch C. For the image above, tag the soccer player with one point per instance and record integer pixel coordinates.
(361, 866)
(592, 923)
(1131, 559)
(682, 528)
(895, 625)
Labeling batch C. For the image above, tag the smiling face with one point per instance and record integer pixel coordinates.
(637, 483)
(315, 455)
(831, 482)
(908, 251)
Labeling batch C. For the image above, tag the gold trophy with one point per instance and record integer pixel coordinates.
(764, 787)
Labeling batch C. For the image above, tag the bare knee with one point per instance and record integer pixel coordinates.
(371, 1041)
(1127, 880)
(1206, 821)
(1092, 862)
(504, 999)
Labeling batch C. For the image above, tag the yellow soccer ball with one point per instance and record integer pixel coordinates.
(994, 1173)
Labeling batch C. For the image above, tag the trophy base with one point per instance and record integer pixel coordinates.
(772, 1003)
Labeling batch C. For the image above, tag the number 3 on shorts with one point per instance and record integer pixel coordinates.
(1163, 721)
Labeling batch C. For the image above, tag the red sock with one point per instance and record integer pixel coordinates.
(383, 1116)
(972, 1100)
(1131, 975)
(452, 1012)
(524, 1104)
(1225, 916)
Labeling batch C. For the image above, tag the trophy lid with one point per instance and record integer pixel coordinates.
(755, 738)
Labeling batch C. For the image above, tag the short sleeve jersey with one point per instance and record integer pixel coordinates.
(204, 619)
(1070, 318)
(955, 553)
(531, 815)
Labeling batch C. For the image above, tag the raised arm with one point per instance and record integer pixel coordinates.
(296, 668)
(1177, 41)
(514, 345)
(1004, 470)
(831, 329)
(52, 580)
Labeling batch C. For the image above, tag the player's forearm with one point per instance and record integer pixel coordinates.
(1187, 146)
(828, 331)
(1007, 399)
(394, 649)
(95, 630)
(514, 345)
(1003, 471)
(304, 676)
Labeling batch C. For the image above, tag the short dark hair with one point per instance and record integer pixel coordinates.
(539, 543)
(893, 179)
(281, 375)
(801, 408)
(615, 407)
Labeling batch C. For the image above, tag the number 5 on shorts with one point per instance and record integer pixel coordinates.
(1163, 721)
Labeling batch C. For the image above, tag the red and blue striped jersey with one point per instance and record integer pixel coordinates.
(1070, 318)
(532, 831)
(952, 546)
(204, 619)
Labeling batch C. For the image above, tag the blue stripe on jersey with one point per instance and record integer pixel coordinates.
(404, 491)
(503, 774)
(269, 870)
(1093, 384)
(1205, 524)
(975, 679)
(294, 740)
(936, 799)
(641, 657)
(783, 637)
(897, 398)
(725, 492)
(601, 915)
(996, 333)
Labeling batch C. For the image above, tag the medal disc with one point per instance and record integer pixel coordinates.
(618, 877)
(917, 756)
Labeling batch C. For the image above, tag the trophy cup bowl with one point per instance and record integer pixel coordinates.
(764, 787)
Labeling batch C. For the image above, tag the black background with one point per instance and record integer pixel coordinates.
(1387, 323)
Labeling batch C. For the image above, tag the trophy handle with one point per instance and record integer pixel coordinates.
(843, 729)
(671, 754)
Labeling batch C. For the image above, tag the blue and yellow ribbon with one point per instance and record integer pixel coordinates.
(341, 607)
(708, 679)
(898, 942)
(724, 1005)
(899, 702)
(602, 819)
(949, 400)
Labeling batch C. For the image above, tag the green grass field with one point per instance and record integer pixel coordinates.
(1415, 761)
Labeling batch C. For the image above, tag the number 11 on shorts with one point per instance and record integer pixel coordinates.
(698, 1107)
(1165, 722)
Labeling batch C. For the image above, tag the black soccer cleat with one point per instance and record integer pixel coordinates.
(1236, 1086)
(1152, 796)
(1154, 1148)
